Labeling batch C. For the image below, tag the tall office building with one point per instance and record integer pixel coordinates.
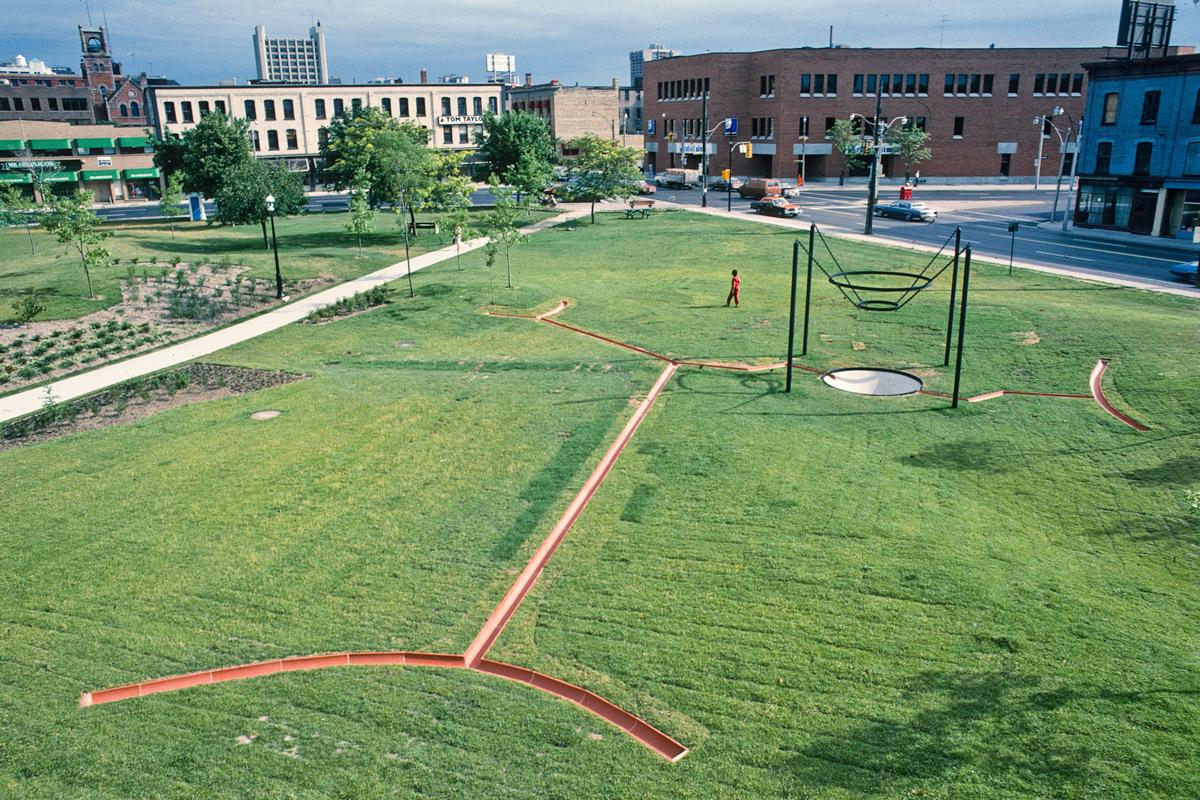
(287, 60)
(638, 59)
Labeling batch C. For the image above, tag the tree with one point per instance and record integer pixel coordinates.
(172, 199)
(508, 138)
(39, 170)
(391, 159)
(604, 169)
(847, 140)
(362, 216)
(17, 209)
(242, 199)
(212, 151)
(168, 154)
(909, 143)
(501, 227)
(450, 197)
(72, 221)
(531, 175)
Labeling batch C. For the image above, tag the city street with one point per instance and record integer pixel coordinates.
(984, 215)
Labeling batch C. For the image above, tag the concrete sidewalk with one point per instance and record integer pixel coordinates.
(70, 387)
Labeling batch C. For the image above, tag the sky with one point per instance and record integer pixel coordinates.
(199, 42)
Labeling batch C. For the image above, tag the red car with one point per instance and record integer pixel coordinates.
(646, 187)
(775, 205)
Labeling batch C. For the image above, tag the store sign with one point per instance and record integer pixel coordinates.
(37, 164)
(460, 120)
(103, 161)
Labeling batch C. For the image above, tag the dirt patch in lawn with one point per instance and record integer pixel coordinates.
(1027, 337)
(134, 400)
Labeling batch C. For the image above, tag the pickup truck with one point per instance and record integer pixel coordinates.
(776, 206)
(677, 178)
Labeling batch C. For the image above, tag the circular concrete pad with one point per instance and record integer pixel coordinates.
(269, 413)
(876, 382)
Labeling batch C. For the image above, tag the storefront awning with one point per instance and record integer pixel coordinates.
(99, 175)
(15, 177)
(49, 144)
(94, 143)
(140, 172)
(135, 141)
(62, 177)
(12, 144)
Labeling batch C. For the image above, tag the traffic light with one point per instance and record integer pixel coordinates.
(725, 174)
(804, 126)
(749, 150)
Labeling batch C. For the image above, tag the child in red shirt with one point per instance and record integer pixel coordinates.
(735, 290)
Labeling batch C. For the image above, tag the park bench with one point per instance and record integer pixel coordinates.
(639, 209)
(413, 227)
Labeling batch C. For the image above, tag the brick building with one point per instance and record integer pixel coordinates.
(570, 111)
(113, 163)
(978, 106)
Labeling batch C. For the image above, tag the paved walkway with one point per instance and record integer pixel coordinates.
(801, 226)
(68, 388)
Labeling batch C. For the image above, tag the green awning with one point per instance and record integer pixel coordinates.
(94, 143)
(99, 175)
(15, 177)
(12, 144)
(141, 172)
(49, 144)
(62, 177)
(135, 141)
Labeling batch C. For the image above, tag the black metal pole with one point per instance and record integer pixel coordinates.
(729, 183)
(792, 314)
(962, 325)
(953, 289)
(278, 274)
(704, 151)
(873, 188)
(812, 231)
(1012, 248)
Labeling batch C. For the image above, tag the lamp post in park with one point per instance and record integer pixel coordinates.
(275, 245)
(1040, 121)
(879, 127)
(1063, 143)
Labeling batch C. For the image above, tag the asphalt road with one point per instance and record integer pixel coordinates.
(984, 216)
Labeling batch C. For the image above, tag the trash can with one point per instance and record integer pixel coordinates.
(906, 192)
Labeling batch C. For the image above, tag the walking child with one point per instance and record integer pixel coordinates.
(735, 290)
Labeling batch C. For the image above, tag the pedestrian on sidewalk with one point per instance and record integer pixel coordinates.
(735, 291)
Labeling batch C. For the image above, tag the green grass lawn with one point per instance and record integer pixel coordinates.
(310, 245)
(822, 595)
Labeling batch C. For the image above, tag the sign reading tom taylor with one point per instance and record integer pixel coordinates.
(460, 120)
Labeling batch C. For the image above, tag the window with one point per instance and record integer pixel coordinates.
(805, 84)
(462, 106)
(124, 110)
(319, 108)
(963, 83)
(897, 84)
(292, 142)
(477, 106)
(73, 104)
(447, 132)
(948, 87)
(386, 105)
(219, 103)
(762, 128)
(1039, 83)
(959, 124)
(251, 113)
(254, 140)
(858, 84)
(831, 85)
(919, 123)
(4, 106)
(339, 106)
(872, 82)
(18, 104)
(322, 138)
(923, 84)
(1196, 110)
(1014, 83)
(988, 84)
(464, 134)
(445, 106)
(272, 140)
(54, 104)
(355, 103)
(829, 123)
(1005, 164)
(818, 84)
(420, 106)
(1150, 107)
(766, 86)
(975, 84)
(186, 107)
(1141, 158)
(1104, 157)
(1111, 103)
(268, 109)
(1077, 83)
(404, 106)
(1051, 84)
(1191, 163)
(35, 104)
(910, 84)
(203, 105)
(492, 104)
(289, 109)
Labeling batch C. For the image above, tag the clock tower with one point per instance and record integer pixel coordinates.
(99, 71)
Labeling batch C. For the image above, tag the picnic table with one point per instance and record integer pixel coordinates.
(639, 209)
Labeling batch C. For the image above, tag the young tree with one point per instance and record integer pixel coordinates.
(212, 151)
(362, 216)
(847, 140)
(508, 138)
(501, 228)
(72, 221)
(530, 176)
(604, 169)
(172, 199)
(392, 158)
(39, 170)
(242, 198)
(17, 209)
(449, 196)
(910, 143)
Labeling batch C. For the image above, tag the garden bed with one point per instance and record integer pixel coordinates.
(193, 383)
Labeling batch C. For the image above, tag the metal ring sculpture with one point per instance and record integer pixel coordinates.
(850, 279)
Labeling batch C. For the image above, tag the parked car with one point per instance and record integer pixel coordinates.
(905, 209)
(789, 189)
(1185, 270)
(646, 187)
(678, 178)
(722, 185)
(775, 206)
(766, 187)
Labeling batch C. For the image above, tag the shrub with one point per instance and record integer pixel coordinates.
(27, 308)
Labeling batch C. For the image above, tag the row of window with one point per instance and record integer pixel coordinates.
(764, 127)
(35, 104)
(1142, 156)
(270, 111)
(685, 89)
(1151, 101)
(1058, 84)
(958, 84)
(43, 82)
(895, 84)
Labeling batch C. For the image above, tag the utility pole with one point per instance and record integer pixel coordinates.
(1037, 172)
(1074, 168)
(873, 188)
(704, 149)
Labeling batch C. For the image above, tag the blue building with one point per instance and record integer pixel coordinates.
(1140, 162)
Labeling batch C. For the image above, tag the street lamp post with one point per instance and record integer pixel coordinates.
(1040, 121)
(1062, 160)
(1074, 168)
(876, 156)
(270, 198)
(704, 150)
